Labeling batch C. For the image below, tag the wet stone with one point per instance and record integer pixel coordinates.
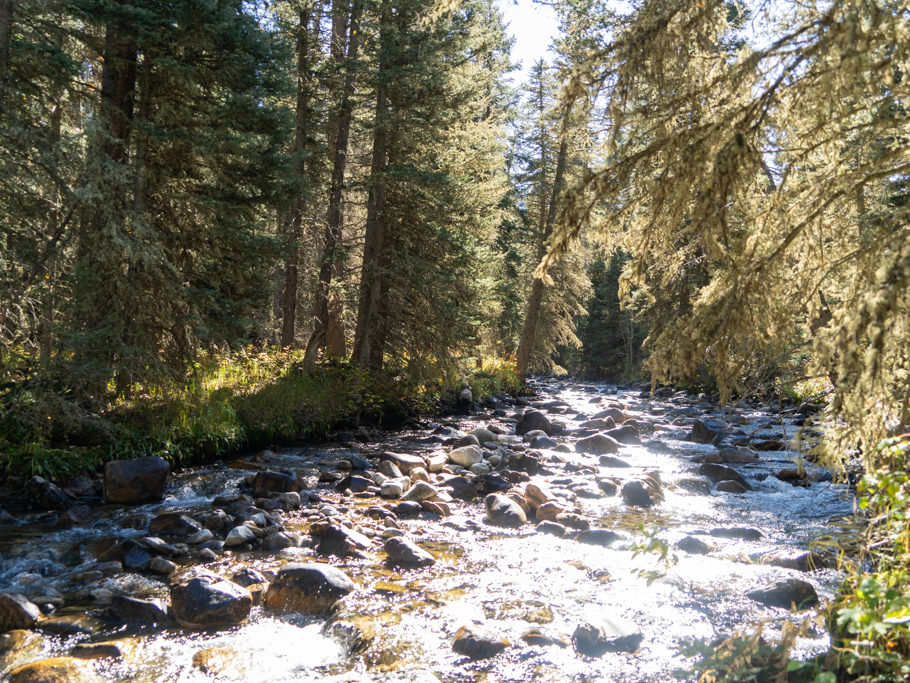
(608, 487)
(477, 642)
(611, 461)
(161, 566)
(699, 486)
(127, 610)
(597, 444)
(54, 670)
(310, 588)
(692, 545)
(536, 636)
(401, 551)
(339, 540)
(111, 649)
(551, 528)
(419, 491)
(17, 612)
(596, 637)
(719, 473)
(737, 532)
(625, 435)
(543, 442)
(407, 509)
(601, 537)
(405, 462)
(732, 487)
(796, 592)
(200, 600)
(141, 480)
(503, 511)
(466, 456)
(805, 561)
(571, 520)
(705, 431)
(636, 494)
(239, 536)
(533, 420)
(173, 523)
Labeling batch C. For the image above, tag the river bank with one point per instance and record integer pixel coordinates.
(488, 546)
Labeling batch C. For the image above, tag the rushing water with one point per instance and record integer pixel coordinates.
(510, 580)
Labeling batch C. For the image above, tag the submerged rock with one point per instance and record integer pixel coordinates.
(201, 599)
(598, 636)
(308, 588)
(54, 670)
(693, 545)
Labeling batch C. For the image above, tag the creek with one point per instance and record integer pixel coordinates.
(721, 493)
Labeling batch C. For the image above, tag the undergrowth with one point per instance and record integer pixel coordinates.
(225, 403)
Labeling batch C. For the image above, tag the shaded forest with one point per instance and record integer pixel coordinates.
(230, 224)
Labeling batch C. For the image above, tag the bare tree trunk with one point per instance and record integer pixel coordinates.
(46, 327)
(529, 330)
(334, 225)
(295, 232)
(365, 353)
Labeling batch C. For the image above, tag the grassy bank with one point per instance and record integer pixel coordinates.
(224, 404)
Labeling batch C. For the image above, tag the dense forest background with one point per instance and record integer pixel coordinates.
(229, 223)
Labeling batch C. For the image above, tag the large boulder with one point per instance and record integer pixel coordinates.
(16, 611)
(308, 588)
(534, 419)
(136, 612)
(597, 444)
(598, 636)
(201, 599)
(141, 480)
(503, 511)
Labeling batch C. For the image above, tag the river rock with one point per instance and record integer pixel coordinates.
(625, 435)
(804, 561)
(731, 454)
(17, 612)
(636, 494)
(602, 537)
(173, 523)
(614, 414)
(310, 588)
(161, 566)
(476, 642)
(201, 599)
(537, 494)
(127, 610)
(732, 487)
(19, 646)
(54, 670)
(405, 462)
(573, 521)
(543, 442)
(536, 636)
(552, 528)
(485, 436)
(219, 663)
(692, 545)
(785, 593)
(737, 532)
(503, 511)
(461, 488)
(141, 480)
(436, 462)
(596, 637)
(239, 535)
(722, 473)
(275, 481)
(392, 488)
(421, 490)
(339, 540)
(534, 419)
(401, 551)
(597, 444)
(390, 469)
(705, 431)
(598, 424)
(466, 456)
(549, 511)
(48, 496)
(612, 461)
(109, 649)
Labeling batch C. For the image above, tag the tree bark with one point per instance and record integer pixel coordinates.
(6, 31)
(366, 354)
(295, 232)
(325, 311)
(529, 329)
(118, 86)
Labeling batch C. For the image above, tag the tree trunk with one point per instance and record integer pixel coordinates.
(118, 87)
(529, 330)
(333, 231)
(295, 232)
(6, 31)
(365, 336)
